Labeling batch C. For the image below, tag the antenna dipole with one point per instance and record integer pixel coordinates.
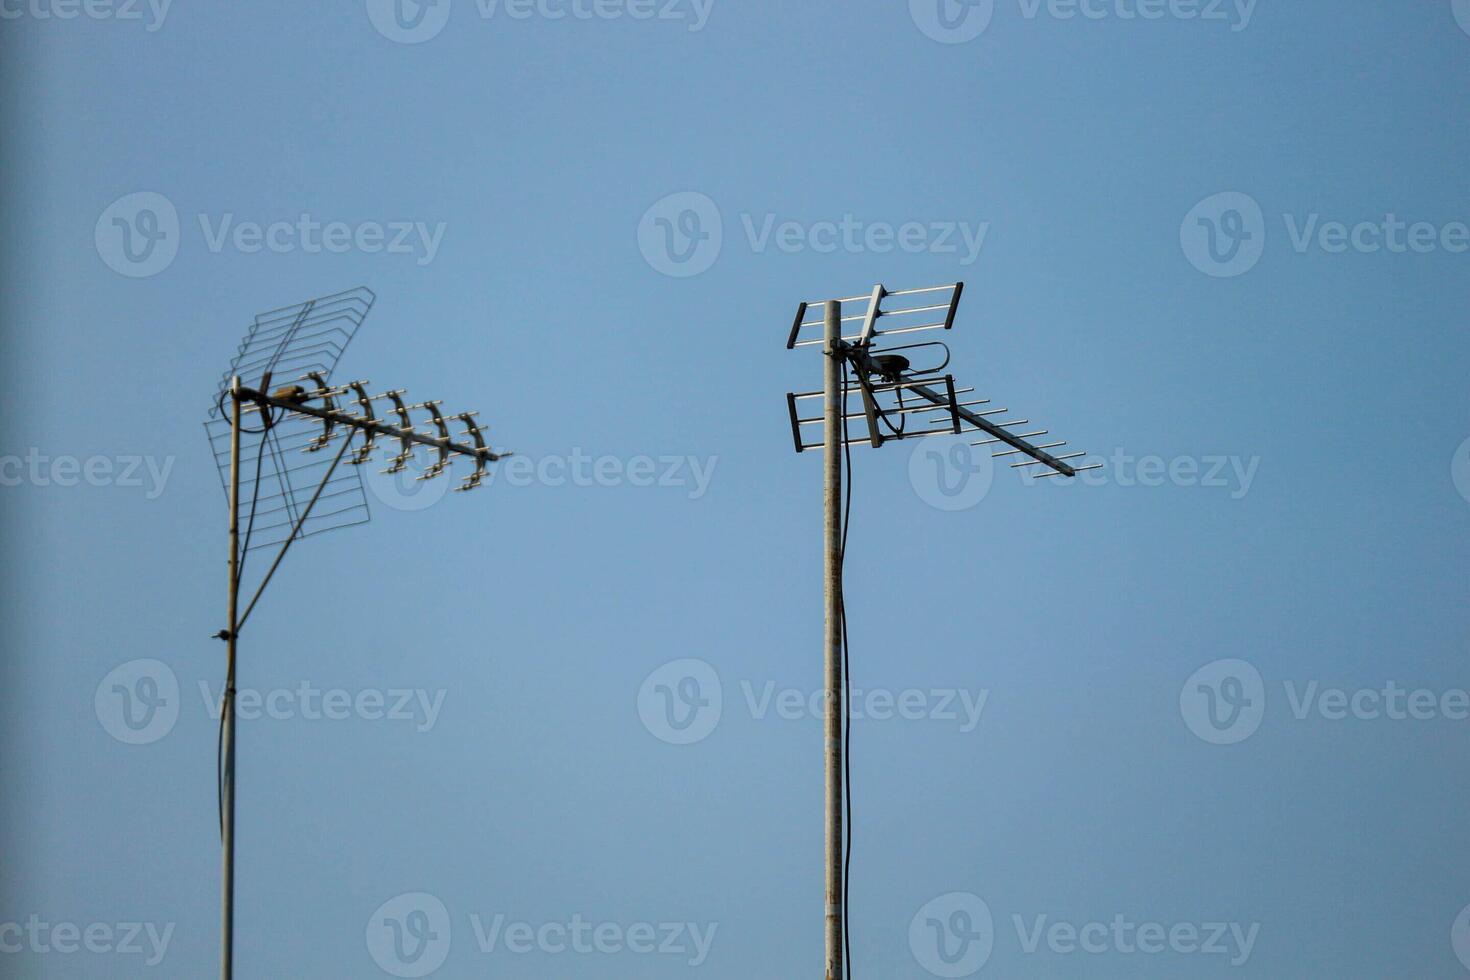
(295, 422)
(888, 391)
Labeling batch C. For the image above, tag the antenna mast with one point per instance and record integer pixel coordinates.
(292, 424)
(888, 390)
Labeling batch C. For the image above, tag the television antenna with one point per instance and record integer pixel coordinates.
(889, 391)
(290, 427)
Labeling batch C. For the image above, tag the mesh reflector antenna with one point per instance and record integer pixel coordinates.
(299, 342)
(294, 340)
(284, 415)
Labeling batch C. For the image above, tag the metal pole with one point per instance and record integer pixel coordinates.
(832, 639)
(227, 705)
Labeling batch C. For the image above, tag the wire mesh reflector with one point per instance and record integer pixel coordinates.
(294, 340)
(290, 456)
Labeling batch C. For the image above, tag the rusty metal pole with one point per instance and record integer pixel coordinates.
(836, 408)
(227, 705)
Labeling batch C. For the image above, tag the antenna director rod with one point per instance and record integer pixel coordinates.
(346, 418)
(1008, 438)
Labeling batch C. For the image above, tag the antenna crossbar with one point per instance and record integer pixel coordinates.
(371, 425)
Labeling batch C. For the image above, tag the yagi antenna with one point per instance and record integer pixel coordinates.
(890, 389)
(284, 413)
(898, 391)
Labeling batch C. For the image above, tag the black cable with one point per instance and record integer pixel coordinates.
(219, 407)
(226, 695)
(903, 419)
(255, 490)
(219, 770)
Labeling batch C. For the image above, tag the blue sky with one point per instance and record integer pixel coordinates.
(1201, 714)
